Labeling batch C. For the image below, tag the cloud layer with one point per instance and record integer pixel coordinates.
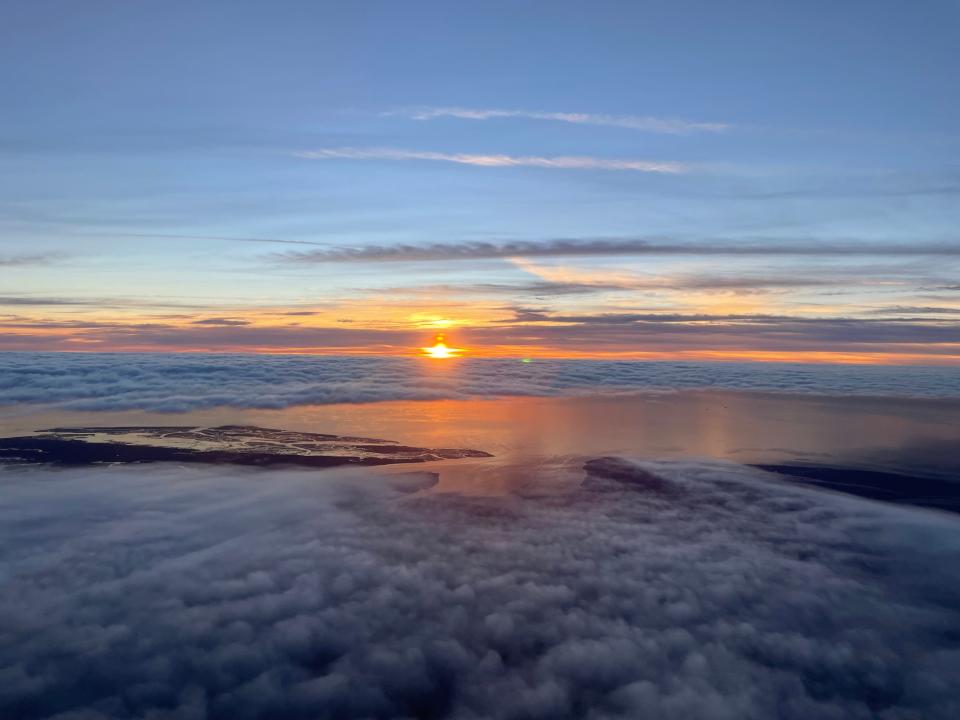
(175, 383)
(518, 330)
(674, 591)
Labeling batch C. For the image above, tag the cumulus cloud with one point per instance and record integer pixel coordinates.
(175, 383)
(676, 591)
(560, 162)
(671, 126)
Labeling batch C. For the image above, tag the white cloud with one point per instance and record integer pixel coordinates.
(670, 126)
(712, 593)
(181, 382)
(561, 162)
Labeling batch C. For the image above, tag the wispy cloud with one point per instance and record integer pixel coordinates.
(869, 329)
(664, 335)
(562, 279)
(646, 123)
(222, 322)
(915, 310)
(40, 301)
(112, 302)
(548, 288)
(173, 236)
(20, 260)
(560, 162)
(627, 246)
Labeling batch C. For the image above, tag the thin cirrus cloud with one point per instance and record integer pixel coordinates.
(669, 126)
(559, 162)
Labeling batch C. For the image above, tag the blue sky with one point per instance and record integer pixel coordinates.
(153, 154)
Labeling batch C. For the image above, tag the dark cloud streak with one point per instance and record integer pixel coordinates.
(614, 247)
(25, 260)
(222, 322)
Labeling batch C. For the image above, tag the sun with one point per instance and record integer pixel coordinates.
(440, 350)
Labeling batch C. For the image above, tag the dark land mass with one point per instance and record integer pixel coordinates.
(257, 446)
(890, 487)
(896, 488)
(226, 444)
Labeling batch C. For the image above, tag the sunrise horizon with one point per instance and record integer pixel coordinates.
(501, 360)
(521, 353)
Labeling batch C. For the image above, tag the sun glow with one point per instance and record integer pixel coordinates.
(440, 350)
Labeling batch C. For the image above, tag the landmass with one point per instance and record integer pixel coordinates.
(231, 444)
(902, 489)
(256, 446)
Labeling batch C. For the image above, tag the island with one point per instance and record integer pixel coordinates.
(230, 444)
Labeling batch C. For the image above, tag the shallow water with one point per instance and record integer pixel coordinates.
(906, 435)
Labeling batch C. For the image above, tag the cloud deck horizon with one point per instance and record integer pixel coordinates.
(183, 382)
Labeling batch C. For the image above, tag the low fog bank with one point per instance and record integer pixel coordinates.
(652, 590)
(183, 382)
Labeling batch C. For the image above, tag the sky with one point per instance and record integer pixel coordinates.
(667, 180)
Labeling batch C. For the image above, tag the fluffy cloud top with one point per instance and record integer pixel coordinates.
(174, 383)
(670, 591)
